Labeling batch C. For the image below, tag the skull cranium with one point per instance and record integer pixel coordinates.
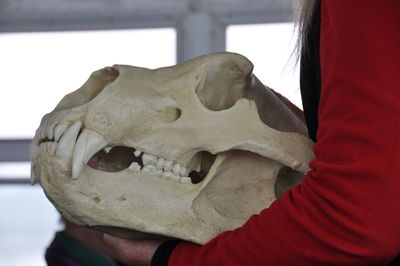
(186, 151)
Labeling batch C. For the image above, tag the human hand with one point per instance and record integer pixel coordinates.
(129, 251)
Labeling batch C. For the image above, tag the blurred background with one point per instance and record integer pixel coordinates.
(49, 48)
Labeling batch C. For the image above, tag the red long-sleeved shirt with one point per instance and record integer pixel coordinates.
(347, 210)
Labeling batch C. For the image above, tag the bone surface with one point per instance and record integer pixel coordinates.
(186, 151)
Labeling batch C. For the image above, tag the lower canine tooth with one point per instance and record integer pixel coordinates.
(137, 153)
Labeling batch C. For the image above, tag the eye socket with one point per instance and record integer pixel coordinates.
(170, 114)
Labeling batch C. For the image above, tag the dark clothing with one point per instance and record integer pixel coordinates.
(64, 251)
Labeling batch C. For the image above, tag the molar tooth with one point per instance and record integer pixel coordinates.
(185, 179)
(149, 168)
(134, 166)
(107, 149)
(137, 153)
(171, 175)
(168, 165)
(88, 143)
(184, 172)
(160, 163)
(60, 129)
(65, 147)
(176, 169)
(149, 159)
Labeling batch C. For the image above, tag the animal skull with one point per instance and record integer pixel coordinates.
(185, 152)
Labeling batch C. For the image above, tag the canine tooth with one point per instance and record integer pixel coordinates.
(134, 166)
(65, 147)
(137, 153)
(60, 129)
(176, 169)
(33, 177)
(185, 179)
(184, 172)
(170, 175)
(88, 143)
(107, 149)
(160, 163)
(149, 159)
(34, 150)
(168, 165)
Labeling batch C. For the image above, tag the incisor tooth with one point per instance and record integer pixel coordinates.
(50, 132)
(60, 129)
(52, 148)
(88, 143)
(65, 147)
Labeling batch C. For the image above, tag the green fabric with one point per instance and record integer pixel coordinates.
(81, 253)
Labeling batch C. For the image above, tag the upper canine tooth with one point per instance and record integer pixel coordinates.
(65, 147)
(60, 129)
(88, 143)
(149, 159)
(107, 149)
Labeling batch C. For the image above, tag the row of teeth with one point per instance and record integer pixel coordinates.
(159, 166)
(71, 149)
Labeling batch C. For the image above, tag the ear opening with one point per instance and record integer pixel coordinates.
(97, 81)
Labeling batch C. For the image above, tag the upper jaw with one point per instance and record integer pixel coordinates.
(76, 147)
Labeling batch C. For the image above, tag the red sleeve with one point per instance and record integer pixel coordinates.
(346, 212)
